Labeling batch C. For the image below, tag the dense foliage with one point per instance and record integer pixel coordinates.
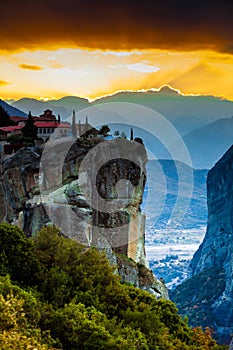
(72, 299)
(5, 118)
(29, 131)
(104, 130)
(194, 299)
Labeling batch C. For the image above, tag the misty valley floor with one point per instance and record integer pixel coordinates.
(169, 252)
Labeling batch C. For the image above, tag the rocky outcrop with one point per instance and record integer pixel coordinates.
(19, 182)
(214, 259)
(216, 249)
(133, 273)
(55, 186)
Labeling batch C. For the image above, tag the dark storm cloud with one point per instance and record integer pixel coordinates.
(179, 25)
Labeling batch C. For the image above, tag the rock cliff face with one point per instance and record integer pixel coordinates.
(211, 286)
(217, 248)
(37, 191)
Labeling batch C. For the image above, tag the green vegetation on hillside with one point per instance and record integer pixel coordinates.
(57, 294)
(194, 299)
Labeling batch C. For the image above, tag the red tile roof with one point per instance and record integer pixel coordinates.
(46, 124)
(18, 119)
(38, 124)
(51, 125)
(10, 128)
(65, 125)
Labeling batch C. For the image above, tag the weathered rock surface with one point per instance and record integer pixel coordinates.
(133, 273)
(216, 249)
(214, 258)
(52, 186)
(19, 182)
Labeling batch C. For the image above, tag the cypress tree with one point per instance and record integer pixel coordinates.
(131, 134)
(5, 118)
(29, 130)
(74, 130)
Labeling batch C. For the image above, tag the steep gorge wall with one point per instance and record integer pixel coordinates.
(207, 297)
(217, 248)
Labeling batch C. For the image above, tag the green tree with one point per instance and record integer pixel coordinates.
(119, 134)
(123, 135)
(116, 133)
(104, 130)
(71, 270)
(72, 292)
(19, 320)
(17, 255)
(204, 340)
(80, 327)
(73, 126)
(14, 139)
(29, 130)
(5, 118)
(131, 134)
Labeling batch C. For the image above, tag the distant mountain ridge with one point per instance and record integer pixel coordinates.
(207, 144)
(71, 103)
(163, 179)
(186, 113)
(38, 107)
(12, 111)
(204, 122)
(63, 106)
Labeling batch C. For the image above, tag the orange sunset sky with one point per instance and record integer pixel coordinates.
(93, 48)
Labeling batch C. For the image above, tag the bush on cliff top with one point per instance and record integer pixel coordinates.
(73, 300)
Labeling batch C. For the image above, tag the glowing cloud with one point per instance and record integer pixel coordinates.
(30, 66)
(137, 67)
(120, 53)
(4, 83)
(93, 73)
(142, 68)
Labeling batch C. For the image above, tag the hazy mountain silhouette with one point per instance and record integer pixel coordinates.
(71, 103)
(186, 113)
(37, 107)
(203, 121)
(163, 180)
(207, 144)
(63, 106)
(12, 111)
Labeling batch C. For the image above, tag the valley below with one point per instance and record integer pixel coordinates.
(170, 245)
(170, 252)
